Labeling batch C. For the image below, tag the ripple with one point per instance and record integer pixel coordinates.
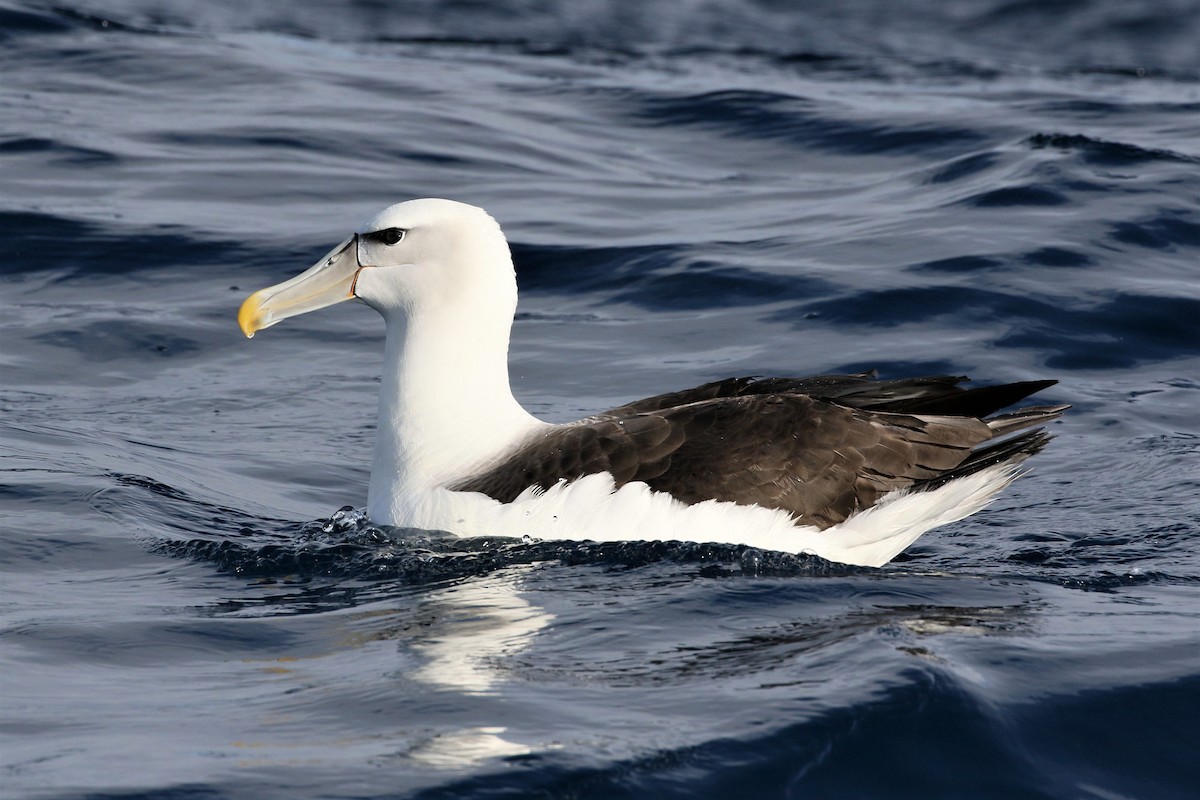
(965, 167)
(1121, 333)
(72, 248)
(1027, 195)
(764, 115)
(958, 264)
(1057, 257)
(1163, 231)
(101, 342)
(14, 23)
(655, 277)
(1105, 153)
(61, 153)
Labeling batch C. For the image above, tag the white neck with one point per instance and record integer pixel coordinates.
(445, 404)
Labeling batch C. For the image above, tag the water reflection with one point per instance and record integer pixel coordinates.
(477, 625)
(455, 749)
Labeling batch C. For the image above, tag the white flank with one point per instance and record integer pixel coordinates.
(589, 510)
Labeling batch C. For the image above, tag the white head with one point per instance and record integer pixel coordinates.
(441, 275)
(424, 255)
(418, 257)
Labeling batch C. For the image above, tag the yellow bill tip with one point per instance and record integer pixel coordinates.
(250, 315)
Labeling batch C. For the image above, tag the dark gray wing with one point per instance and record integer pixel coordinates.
(932, 394)
(815, 459)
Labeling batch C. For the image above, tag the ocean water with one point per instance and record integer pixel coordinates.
(192, 607)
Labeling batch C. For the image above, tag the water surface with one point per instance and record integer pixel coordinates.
(695, 191)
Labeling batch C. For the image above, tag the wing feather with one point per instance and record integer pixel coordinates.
(816, 459)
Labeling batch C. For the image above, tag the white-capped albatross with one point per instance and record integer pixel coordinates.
(846, 467)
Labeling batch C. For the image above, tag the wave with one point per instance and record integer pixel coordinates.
(1140, 40)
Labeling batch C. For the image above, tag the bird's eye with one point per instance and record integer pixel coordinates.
(391, 235)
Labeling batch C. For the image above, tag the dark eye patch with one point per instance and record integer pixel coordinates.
(389, 235)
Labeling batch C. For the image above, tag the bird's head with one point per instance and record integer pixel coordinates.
(413, 257)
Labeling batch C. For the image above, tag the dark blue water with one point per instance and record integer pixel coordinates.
(693, 190)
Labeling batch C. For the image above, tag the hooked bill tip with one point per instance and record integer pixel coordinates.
(250, 315)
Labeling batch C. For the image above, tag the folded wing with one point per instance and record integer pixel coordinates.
(818, 448)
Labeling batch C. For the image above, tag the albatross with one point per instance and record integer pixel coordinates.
(846, 467)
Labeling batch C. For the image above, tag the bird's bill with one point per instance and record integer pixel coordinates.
(330, 280)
